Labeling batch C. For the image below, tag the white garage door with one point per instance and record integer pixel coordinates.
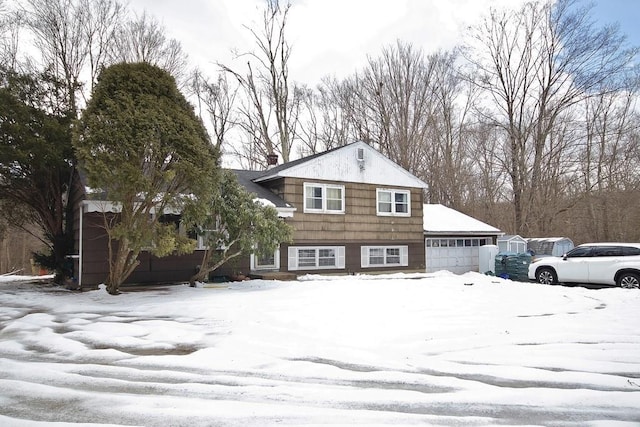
(457, 255)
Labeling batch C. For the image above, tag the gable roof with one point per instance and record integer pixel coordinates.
(439, 219)
(341, 164)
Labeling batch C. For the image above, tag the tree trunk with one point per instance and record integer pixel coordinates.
(205, 268)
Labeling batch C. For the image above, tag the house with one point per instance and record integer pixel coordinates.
(352, 210)
(453, 240)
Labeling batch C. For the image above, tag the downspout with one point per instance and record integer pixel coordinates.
(80, 245)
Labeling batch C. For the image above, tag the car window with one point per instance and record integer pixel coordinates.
(630, 251)
(607, 251)
(579, 252)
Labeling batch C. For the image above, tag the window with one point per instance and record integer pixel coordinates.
(269, 261)
(581, 252)
(204, 235)
(323, 198)
(607, 251)
(393, 202)
(312, 258)
(384, 256)
(203, 239)
(630, 251)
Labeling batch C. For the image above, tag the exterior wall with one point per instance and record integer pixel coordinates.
(172, 268)
(416, 259)
(358, 226)
(358, 223)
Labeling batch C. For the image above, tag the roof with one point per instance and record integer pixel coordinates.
(245, 178)
(546, 239)
(439, 219)
(345, 164)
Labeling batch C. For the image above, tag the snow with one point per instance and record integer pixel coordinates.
(438, 218)
(265, 202)
(396, 349)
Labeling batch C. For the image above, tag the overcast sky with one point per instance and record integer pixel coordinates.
(334, 37)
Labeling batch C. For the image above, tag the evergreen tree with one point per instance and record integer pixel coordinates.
(238, 224)
(36, 162)
(142, 144)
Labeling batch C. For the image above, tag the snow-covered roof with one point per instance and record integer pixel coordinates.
(262, 194)
(439, 219)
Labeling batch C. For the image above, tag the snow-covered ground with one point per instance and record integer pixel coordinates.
(388, 350)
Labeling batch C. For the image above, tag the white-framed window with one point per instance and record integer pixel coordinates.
(203, 239)
(384, 256)
(392, 202)
(316, 258)
(266, 262)
(323, 198)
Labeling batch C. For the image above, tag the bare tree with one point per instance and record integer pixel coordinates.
(345, 113)
(101, 20)
(271, 112)
(534, 64)
(399, 91)
(449, 161)
(219, 99)
(11, 22)
(608, 165)
(59, 29)
(144, 39)
(70, 33)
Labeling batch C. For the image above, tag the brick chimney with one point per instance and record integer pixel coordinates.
(272, 160)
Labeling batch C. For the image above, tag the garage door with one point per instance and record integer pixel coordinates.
(457, 255)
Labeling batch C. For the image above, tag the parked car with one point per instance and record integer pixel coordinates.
(599, 263)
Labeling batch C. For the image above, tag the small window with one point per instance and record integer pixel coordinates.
(384, 256)
(393, 202)
(268, 261)
(307, 258)
(311, 258)
(323, 198)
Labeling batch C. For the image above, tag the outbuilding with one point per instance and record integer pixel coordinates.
(512, 243)
(453, 239)
(549, 246)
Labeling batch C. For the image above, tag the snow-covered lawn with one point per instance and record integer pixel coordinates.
(439, 349)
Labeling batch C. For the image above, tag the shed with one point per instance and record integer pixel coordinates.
(453, 239)
(512, 243)
(549, 246)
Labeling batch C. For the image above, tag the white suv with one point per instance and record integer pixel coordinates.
(601, 263)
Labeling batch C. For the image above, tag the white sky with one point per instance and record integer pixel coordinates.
(334, 37)
(329, 37)
(435, 349)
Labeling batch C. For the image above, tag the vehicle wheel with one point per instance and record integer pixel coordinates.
(629, 281)
(546, 276)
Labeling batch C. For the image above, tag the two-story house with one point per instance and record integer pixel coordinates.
(352, 210)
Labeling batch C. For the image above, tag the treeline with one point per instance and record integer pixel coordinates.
(531, 125)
